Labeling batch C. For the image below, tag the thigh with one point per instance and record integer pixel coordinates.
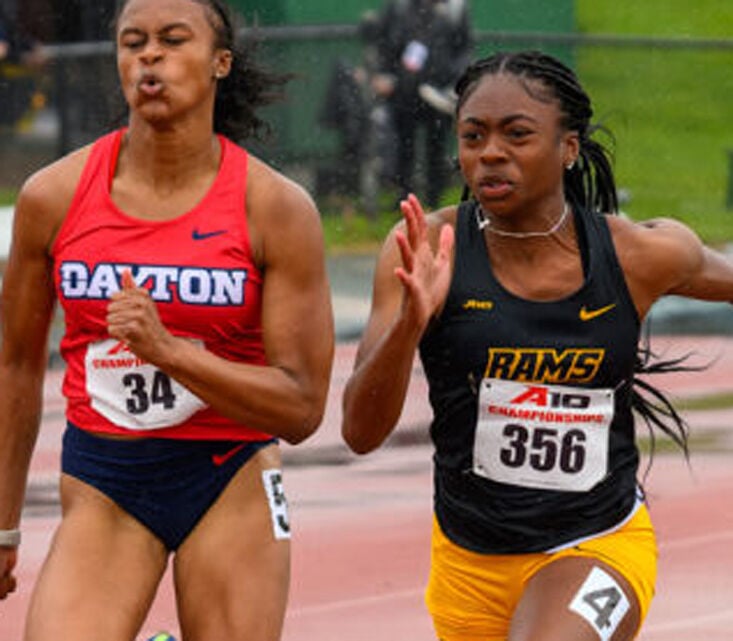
(578, 598)
(100, 575)
(470, 596)
(232, 572)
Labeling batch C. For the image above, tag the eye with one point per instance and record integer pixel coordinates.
(132, 43)
(174, 36)
(470, 135)
(173, 41)
(518, 133)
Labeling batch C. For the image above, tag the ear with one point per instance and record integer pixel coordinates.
(222, 63)
(571, 149)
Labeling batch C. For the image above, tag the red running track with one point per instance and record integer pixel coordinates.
(361, 525)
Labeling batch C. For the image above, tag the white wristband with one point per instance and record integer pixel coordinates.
(9, 538)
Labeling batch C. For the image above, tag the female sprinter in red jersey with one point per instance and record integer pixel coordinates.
(525, 304)
(199, 332)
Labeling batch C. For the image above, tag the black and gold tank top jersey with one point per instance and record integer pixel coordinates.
(588, 340)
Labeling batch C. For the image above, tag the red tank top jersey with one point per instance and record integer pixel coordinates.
(199, 270)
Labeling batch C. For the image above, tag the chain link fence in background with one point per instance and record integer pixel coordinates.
(666, 100)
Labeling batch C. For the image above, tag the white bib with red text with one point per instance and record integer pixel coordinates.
(542, 436)
(132, 393)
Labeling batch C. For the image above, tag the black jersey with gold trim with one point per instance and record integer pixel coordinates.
(587, 339)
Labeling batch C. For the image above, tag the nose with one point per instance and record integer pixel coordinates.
(152, 52)
(493, 149)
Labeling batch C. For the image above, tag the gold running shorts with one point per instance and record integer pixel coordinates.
(472, 596)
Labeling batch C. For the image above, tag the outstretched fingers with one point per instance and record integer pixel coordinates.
(425, 270)
(416, 231)
(414, 215)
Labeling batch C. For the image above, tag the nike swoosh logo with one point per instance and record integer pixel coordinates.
(589, 314)
(199, 235)
(220, 459)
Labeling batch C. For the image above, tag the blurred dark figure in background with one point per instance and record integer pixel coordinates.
(365, 160)
(423, 46)
(82, 119)
(20, 57)
(345, 110)
(83, 20)
(15, 45)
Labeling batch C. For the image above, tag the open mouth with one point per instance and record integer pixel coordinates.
(494, 186)
(150, 85)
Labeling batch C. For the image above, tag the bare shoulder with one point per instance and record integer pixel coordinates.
(389, 255)
(435, 220)
(654, 239)
(280, 211)
(273, 194)
(440, 217)
(656, 255)
(647, 230)
(46, 195)
(57, 181)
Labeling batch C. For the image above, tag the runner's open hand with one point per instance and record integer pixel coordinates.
(425, 273)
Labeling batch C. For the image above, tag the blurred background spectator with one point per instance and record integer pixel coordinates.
(422, 47)
(21, 57)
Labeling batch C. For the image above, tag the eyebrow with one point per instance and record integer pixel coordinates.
(506, 120)
(166, 28)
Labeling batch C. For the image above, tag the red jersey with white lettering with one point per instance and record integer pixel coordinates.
(199, 270)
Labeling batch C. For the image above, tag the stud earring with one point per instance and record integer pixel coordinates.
(570, 165)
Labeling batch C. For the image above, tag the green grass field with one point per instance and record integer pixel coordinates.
(7, 196)
(668, 108)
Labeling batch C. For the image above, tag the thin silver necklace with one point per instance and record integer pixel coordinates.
(484, 223)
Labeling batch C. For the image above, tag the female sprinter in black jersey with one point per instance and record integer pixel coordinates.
(525, 304)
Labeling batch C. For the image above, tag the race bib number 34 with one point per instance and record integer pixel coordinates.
(132, 393)
(542, 436)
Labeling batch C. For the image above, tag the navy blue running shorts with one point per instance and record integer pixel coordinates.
(166, 484)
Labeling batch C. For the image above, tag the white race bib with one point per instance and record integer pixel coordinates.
(542, 436)
(132, 393)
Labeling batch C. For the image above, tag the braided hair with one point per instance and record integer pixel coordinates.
(247, 87)
(589, 184)
(591, 187)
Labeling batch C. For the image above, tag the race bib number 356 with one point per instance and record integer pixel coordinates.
(542, 436)
(132, 393)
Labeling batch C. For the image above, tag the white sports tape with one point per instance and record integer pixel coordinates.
(9, 538)
(601, 602)
(273, 482)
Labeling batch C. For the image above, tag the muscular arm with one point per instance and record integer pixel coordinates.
(665, 257)
(375, 393)
(27, 310)
(410, 285)
(286, 397)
